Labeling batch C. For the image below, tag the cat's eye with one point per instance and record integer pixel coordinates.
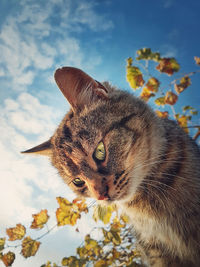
(100, 152)
(78, 182)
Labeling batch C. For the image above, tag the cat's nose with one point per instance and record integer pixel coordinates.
(101, 193)
(103, 197)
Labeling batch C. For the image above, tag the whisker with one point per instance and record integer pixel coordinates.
(157, 196)
(91, 204)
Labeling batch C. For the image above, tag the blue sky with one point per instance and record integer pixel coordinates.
(36, 37)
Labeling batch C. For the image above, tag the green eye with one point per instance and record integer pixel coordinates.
(100, 152)
(78, 182)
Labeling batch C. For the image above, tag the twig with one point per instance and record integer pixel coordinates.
(196, 135)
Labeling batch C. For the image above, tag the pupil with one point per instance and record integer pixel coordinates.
(78, 182)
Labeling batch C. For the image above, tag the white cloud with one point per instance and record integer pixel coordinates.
(28, 116)
(21, 177)
(168, 50)
(23, 38)
(85, 14)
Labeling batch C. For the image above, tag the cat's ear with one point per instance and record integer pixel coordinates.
(78, 87)
(42, 149)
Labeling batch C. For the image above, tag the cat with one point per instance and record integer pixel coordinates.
(111, 146)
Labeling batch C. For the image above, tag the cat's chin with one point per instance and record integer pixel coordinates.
(111, 201)
(105, 202)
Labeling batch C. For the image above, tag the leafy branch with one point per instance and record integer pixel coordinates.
(151, 88)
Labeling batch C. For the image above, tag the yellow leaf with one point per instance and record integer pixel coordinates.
(160, 101)
(146, 94)
(116, 254)
(72, 261)
(2, 243)
(81, 205)
(29, 247)
(183, 122)
(170, 98)
(103, 213)
(64, 203)
(8, 258)
(82, 252)
(125, 218)
(65, 261)
(129, 61)
(184, 83)
(197, 60)
(116, 239)
(48, 264)
(91, 244)
(168, 65)
(101, 263)
(39, 219)
(133, 75)
(153, 84)
(147, 54)
(116, 225)
(16, 233)
(162, 114)
(67, 213)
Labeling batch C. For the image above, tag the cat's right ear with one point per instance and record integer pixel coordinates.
(42, 149)
(78, 87)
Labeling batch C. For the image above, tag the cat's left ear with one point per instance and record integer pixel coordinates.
(78, 87)
(42, 149)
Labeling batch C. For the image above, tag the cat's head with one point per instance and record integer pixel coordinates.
(98, 147)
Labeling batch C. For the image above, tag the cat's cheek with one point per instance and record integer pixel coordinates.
(82, 192)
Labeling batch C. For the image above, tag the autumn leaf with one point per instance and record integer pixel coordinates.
(146, 94)
(48, 264)
(29, 247)
(125, 218)
(16, 233)
(153, 85)
(39, 219)
(185, 108)
(81, 205)
(168, 65)
(65, 261)
(82, 252)
(67, 213)
(162, 114)
(116, 254)
(72, 261)
(160, 101)
(116, 239)
(191, 110)
(170, 98)
(101, 263)
(103, 213)
(92, 247)
(116, 225)
(183, 122)
(133, 75)
(91, 244)
(8, 258)
(197, 60)
(147, 54)
(2, 243)
(184, 83)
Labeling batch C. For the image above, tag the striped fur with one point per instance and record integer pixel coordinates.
(151, 170)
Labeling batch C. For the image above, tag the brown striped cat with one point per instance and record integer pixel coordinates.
(112, 147)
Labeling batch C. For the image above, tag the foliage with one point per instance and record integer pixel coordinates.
(116, 247)
(152, 88)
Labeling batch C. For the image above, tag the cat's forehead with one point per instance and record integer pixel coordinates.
(90, 120)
